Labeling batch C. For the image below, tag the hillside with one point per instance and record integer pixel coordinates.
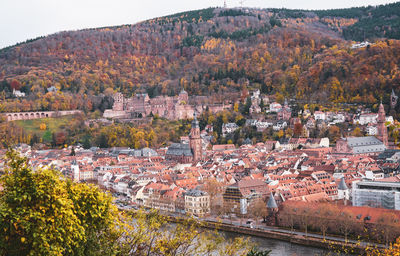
(291, 53)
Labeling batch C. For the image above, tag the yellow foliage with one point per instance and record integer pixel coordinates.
(42, 126)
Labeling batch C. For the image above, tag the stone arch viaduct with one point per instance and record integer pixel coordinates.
(37, 115)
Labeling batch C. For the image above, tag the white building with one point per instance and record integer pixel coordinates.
(360, 45)
(229, 128)
(280, 125)
(197, 202)
(339, 118)
(275, 107)
(18, 93)
(75, 172)
(371, 130)
(368, 118)
(376, 194)
(390, 119)
(319, 115)
(261, 126)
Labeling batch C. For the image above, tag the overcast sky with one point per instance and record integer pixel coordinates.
(25, 19)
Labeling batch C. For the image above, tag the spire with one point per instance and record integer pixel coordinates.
(225, 6)
(271, 202)
(342, 185)
(195, 122)
(381, 113)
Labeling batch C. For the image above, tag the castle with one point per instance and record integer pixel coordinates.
(172, 108)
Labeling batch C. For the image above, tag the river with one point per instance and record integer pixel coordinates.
(281, 248)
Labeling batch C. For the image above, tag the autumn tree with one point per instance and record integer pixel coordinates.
(346, 224)
(325, 214)
(388, 226)
(36, 214)
(357, 132)
(258, 209)
(298, 130)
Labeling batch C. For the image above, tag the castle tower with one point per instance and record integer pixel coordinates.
(118, 102)
(183, 97)
(195, 141)
(382, 131)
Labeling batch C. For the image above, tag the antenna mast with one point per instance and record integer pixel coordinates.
(242, 2)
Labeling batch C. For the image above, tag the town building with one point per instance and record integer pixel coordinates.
(367, 118)
(275, 107)
(197, 202)
(229, 128)
(284, 113)
(366, 145)
(319, 115)
(376, 194)
(360, 145)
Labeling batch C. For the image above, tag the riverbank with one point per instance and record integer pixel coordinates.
(351, 247)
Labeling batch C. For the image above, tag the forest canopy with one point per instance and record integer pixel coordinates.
(294, 53)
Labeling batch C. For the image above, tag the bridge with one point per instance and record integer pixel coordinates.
(40, 114)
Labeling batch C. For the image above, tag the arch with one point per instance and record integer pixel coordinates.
(32, 115)
(37, 115)
(42, 114)
(47, 115)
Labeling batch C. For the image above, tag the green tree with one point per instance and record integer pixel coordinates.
(43, 214)
(36, 215)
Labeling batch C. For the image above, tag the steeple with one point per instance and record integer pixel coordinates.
(381, 113)
(342, 184)
(382, 130)
(271, 202)
(393, 100)
(195, 122)
(195, 141)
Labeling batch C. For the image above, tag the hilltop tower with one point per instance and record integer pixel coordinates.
(195, 140)
(382, 131)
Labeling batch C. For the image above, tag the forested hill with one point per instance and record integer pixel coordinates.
(290, 53)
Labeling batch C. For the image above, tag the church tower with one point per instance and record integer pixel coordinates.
(195, 140)
(393, 100)
(382, 131)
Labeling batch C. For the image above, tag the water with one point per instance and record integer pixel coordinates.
(281, 248)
